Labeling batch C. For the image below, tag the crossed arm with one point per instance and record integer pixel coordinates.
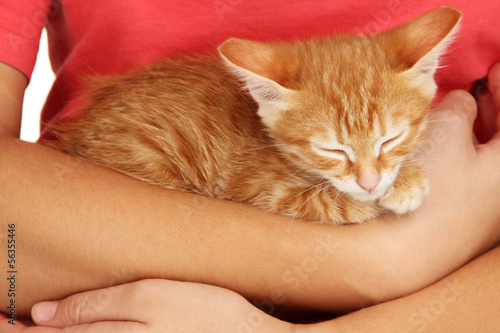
(465, 301)
(82, 227)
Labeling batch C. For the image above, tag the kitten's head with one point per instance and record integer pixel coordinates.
(349, 108)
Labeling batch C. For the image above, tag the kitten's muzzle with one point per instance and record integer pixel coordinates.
(369, 182)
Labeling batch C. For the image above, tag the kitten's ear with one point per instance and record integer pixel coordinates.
(258, 65)
(417, 45)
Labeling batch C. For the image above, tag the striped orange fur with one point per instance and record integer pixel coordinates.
(324, 129)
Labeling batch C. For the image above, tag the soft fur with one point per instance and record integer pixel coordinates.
(324, 129)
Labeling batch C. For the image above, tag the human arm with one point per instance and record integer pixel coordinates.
(153, 305)
(83, 227)
(12, 86)
(468, 300)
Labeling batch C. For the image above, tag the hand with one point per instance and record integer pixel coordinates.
(458, 171)
(151, 306)
(488, 99)
(448, 302)
(464, 175)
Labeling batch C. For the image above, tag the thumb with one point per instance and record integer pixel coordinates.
(109, 304)
(494, 86)
(450, 124)
(44, 311)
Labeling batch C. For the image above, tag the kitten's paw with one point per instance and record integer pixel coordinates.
(358, 212)
(403, 199)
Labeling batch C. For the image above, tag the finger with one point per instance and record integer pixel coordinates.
(99, 327)
(493, 146)
(108, 327)
(16, 326)
(494, 88)
(117, 303)
(487, 110)
(450, 124)
(457, 103)
(494, 82)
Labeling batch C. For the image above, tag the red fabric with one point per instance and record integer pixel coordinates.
(103, 37)
(21, 24)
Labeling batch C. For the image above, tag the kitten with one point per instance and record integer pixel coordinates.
(324, 129)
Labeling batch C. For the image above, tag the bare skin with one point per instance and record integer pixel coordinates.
(93, 228)
(170, 306)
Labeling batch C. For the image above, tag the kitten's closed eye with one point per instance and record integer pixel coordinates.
(387, 143)
(343, 152)
(263, 144)
(337, 151)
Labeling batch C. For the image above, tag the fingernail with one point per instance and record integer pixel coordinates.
(44, 311)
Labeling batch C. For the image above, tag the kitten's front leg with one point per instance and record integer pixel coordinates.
(322, 203)
(408, 190)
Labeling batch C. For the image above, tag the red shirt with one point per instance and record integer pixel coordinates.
(103, 37)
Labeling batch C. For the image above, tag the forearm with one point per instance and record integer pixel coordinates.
(82, 227)
(466, 301)
(79, 227)
(12, 86)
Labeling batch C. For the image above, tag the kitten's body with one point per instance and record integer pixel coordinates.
(188, 124)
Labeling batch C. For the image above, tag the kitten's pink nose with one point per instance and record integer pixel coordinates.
(369, 182)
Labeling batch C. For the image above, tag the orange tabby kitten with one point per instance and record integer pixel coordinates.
(324, 129)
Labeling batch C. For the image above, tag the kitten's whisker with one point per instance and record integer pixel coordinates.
(294, 173)
(447, 119)
(262, 147)
(338, 195)
(439, 160)
(306, 190)
(298, 210)
(422, 159)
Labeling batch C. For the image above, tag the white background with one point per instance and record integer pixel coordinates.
(36, 93)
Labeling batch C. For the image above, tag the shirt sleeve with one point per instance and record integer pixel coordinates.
(21, 25)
